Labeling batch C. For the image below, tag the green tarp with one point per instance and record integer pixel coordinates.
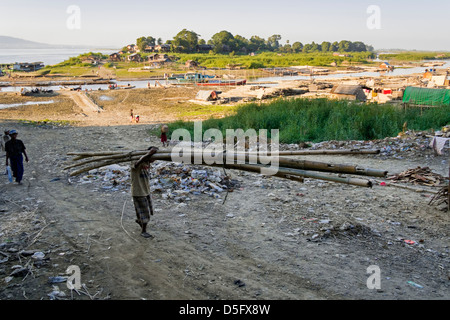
(426, 96)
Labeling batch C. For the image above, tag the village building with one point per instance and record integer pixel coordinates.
(207, 95)
(159, 57)
(135, 57)
(204, 47)
(191, 64)
(162, 47)
(115, 56)
(148, 49)
(28, 67)
(348, 92)
(132, 48)
(386, 66)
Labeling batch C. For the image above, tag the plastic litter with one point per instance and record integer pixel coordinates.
(9, 173)
(416, 285)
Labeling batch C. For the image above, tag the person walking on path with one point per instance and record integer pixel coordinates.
(4, 139)
(140, 190)
(14, 150)
(164, 131)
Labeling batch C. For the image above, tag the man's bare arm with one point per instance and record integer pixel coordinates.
(146, 158)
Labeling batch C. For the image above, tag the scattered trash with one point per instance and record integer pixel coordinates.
(239, 283)
(416, 285)
(174, 181)
(38, 255)
(56, 293)
(57, 279)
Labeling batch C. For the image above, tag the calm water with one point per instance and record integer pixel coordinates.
(47, 56)
(54, 56)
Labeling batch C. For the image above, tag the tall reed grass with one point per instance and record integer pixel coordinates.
(317, 120)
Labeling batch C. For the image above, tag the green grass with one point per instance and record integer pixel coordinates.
(317, 120)
(271, 59)
(414, 56)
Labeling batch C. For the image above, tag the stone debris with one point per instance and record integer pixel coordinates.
(172, 180)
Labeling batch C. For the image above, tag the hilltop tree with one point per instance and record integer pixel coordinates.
(297, 47)
(273, 42)
(326, 46)
(242, 44)
(223, 41)
(143, 42)
(257, 44)
(344, 46)
(335, 46)
(185, 39)
(359, 46)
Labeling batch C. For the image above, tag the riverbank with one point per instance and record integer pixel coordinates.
(268, 239)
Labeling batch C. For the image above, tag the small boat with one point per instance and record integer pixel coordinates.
(115, 86)
(192, 77)
(223, 83)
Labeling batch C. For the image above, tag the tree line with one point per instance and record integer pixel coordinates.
(187, 41)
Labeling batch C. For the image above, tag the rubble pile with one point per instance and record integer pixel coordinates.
(405, 145)
(420, 176)
(173, 180)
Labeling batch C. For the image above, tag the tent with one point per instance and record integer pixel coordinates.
(426, 96)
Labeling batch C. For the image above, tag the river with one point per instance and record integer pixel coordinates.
(47, 56)
(54, 56)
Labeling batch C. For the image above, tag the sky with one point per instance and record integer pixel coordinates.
(412, 25)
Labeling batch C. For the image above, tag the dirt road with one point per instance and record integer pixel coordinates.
(269, 234)
(271, 238)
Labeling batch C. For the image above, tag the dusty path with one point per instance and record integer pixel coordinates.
(88, 107)
(263, 235)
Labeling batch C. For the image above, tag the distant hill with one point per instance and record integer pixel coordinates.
(16, 43)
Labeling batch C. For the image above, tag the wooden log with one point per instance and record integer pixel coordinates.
(285, 162)
(283, 172)
(281, 153)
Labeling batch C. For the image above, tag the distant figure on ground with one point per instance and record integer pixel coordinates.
(137, 118)
(131, 116)
(140, 190)
(14, 150)
(4, 139)
(164, 131)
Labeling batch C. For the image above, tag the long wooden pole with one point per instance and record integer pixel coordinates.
(283, 161)
(281, 153)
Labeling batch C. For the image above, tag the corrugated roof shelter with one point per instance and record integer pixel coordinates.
(347, 91)
(426, 96)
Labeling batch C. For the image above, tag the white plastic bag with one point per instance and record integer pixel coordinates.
(9, 173)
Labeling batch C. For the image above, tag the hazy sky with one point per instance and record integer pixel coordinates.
(412, 24)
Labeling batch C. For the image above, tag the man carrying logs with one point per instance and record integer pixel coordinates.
(140, 190)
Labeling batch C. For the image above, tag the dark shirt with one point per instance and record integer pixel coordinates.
(14, 148)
